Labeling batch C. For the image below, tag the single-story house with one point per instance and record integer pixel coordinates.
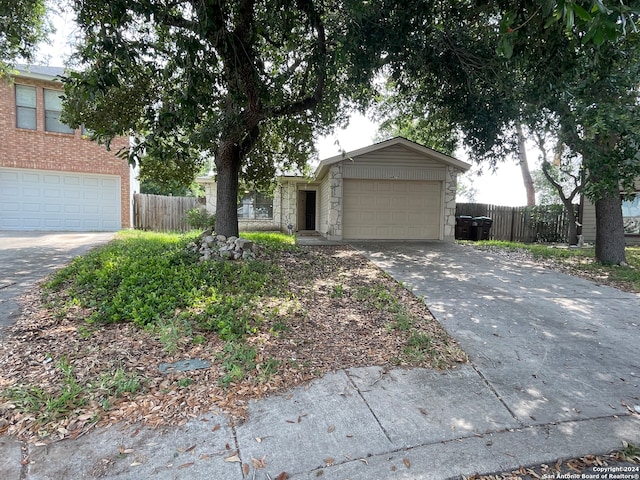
(53, 177)
(392, 190)
(630, 217)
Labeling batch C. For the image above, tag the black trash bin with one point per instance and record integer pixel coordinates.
(480, 228)
(463, 227)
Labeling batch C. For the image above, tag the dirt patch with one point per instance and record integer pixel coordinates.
(342, 312)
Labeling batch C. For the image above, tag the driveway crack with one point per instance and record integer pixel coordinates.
(495, 392)
(386, 434)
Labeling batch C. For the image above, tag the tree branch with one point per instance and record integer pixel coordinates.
(314, 98)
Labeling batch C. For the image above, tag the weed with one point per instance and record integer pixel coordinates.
(185, 382)
(237, 359)
(120, 382)
(172, 333)
(630, 452)
(337, 291)
(419, 347)
(278, 327)
(402, 321)
(267, 369)
(49, 406)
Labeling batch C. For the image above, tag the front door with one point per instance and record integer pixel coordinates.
(307, 210)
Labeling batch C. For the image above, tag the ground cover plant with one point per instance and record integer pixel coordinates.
(91, 339)
(575, 261)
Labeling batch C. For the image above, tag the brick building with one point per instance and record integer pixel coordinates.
(53, 177)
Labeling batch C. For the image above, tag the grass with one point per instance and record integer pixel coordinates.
(581, 261)
(154, 281)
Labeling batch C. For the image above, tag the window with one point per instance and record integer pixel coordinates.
(52, 109)
(631, 215)
(255, 206)
(25, 107)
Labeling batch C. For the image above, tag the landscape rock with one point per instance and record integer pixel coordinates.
(211, 246)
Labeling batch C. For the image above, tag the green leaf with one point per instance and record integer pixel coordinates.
(582, 13)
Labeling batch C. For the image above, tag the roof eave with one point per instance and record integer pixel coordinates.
(454, 162)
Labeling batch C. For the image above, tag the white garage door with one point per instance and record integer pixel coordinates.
(47, 200)
(391, 209)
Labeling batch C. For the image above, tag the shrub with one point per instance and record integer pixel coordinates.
(200, 219)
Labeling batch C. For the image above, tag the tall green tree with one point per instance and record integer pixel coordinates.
(23, 24)
(249, 82)
(492, 70)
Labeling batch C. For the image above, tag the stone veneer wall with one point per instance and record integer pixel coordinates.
(450, 187)
(288, 202)
(334, 231)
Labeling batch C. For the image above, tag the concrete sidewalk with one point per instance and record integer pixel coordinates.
(554, 373)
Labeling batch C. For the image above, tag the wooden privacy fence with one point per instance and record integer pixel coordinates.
(162, 213)
(547, 223)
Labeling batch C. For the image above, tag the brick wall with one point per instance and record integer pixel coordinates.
(38, 149)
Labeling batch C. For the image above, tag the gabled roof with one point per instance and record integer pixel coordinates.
(40, 72)
(324, 165)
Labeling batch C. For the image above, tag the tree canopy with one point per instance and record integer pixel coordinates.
(23, 24)
(565, 64)
(247, 82)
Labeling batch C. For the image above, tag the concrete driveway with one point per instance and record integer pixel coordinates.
(27, 257)
(554, 348)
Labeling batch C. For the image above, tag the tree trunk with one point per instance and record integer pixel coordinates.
(572, 231)
(610, 243)
(228, 168)
(524, 168)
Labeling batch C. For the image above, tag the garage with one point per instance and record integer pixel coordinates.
(59, 201)
(392, 209)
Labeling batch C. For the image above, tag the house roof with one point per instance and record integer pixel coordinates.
(40, 72)
(324, 165)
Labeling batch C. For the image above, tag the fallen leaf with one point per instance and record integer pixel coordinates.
(329, 461)
(136, 464)
(282, 476)
(190, 448)
(233, 458)
(407, 463)
(258, 439)
(259, 463)
(331, 428)
(245, 469)
(216, 427)
(186, 465)
(422, 411)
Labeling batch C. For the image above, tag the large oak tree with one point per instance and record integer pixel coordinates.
(490, 70)
(246, 82)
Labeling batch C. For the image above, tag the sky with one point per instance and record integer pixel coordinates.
(502, 187)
